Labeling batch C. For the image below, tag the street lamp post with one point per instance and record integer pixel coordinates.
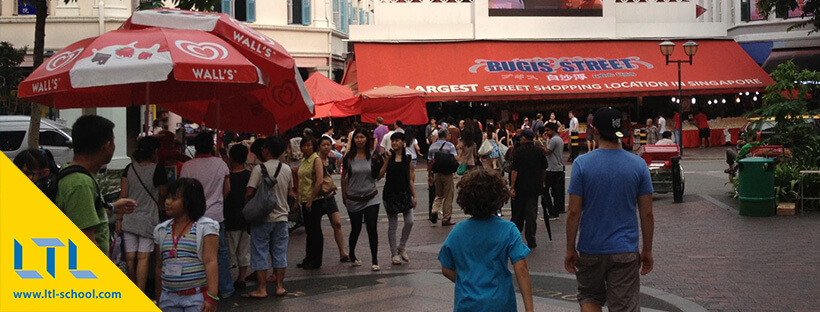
(690, 48)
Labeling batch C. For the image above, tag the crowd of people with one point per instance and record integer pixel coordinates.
(197, 226)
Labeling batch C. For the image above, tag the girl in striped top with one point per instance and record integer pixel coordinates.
(187, 245)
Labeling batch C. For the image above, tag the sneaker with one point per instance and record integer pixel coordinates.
(541, 218)
(396, 260)
(403, 254)
(434, 217)
(555, 218)
(376, 268)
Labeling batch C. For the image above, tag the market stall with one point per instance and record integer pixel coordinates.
(717, 137)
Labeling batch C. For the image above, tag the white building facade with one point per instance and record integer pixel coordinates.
(313, 31)
(445, 20)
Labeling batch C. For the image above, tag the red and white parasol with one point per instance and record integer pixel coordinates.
(124, 67)
(285, 95)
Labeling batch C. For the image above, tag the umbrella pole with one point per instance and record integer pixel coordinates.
(147, 109)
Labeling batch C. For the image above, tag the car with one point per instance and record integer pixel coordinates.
(759, 129)
(54, 137)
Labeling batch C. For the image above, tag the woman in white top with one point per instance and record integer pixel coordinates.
(144, 181)
(412, 148)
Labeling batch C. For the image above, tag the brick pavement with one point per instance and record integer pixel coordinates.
(703, 253)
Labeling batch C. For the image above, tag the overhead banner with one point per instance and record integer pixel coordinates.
(491, 70)
(47, 263)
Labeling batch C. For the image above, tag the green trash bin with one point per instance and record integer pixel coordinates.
(756, 187)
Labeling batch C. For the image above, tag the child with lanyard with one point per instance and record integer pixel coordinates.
(187, 245)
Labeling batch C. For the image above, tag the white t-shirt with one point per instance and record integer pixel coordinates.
(662, 124)
(573, 124)
(665, 142)
(211, 172)
(411, 150)
(284, 182)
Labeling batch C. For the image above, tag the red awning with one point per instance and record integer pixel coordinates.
(394, 103)
(345, 108)
(330, 98)
(493, 70)
(323, 90)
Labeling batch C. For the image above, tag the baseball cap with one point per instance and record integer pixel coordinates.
(527, 133)
(608, 122)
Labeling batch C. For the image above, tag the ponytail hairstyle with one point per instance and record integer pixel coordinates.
(145, 149)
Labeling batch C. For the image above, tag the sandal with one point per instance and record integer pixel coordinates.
(376, 268)
(397, 260)
(357, 263)
(403, 254)
(345, 259)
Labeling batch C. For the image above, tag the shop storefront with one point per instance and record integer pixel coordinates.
(505, 81)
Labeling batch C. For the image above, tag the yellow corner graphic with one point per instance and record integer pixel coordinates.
(47, 263)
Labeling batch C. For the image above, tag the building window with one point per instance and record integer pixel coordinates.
(337, 14)
(243, 10)
(299, 12)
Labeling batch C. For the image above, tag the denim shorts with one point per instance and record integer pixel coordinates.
(171, 302)
(269, 238)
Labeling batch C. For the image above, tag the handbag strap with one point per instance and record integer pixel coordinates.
(143, 185)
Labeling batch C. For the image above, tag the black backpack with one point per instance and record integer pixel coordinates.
(444, 162)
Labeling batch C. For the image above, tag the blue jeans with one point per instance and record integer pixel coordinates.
(223, 259)
(678, 137)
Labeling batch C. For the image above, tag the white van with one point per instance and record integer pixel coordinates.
(53, 137)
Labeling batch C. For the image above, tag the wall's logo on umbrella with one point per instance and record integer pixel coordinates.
(252, 31)
(203, 50)
(62, 59)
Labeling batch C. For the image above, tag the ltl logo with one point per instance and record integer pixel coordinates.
(50, 244)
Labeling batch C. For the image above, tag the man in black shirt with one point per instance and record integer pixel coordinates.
(528, 173)
(239, 241)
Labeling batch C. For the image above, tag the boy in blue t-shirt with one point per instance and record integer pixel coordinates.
(476, 252)
(606, 186)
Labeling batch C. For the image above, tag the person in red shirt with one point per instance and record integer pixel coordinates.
(703, 128)
(678, 128)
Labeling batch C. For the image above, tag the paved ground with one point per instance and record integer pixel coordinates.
(707, 256)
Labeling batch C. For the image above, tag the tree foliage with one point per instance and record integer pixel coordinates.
(787, 101)
(811, 9)
(10, 75)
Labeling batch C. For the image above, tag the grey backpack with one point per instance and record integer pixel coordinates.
(260, 206)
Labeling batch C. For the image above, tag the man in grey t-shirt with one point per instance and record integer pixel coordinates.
(552, 200)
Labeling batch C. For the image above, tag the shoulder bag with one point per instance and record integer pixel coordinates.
(444, 162)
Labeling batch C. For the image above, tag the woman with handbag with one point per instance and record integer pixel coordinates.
(312, 202)
(144, 181)
(328, 189)
(399, 195)
(359, 194)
